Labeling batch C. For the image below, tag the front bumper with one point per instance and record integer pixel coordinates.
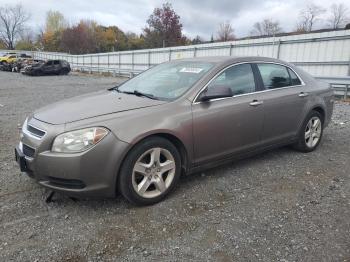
(21, 160)
(92, 173)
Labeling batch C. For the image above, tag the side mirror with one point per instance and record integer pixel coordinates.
(216, 92)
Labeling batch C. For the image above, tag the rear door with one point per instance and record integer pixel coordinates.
(285, 98)
(225, 126)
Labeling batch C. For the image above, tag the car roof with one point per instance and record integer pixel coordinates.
(230, 59)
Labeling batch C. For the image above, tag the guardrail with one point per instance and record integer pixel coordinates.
(341, 90)
(114, 71)
(340, 85)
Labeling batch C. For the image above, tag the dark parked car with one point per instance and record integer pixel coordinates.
(4, 66)
(50, 67)
(178, 117)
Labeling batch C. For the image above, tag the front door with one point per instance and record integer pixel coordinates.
(225, 126)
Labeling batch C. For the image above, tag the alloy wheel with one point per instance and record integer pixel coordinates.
(313, 131)
(153, 172)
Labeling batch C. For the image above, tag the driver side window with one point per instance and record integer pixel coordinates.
(239, 78)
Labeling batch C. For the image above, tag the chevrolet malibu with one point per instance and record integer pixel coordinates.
(178, 117)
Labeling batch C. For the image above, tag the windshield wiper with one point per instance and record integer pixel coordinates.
(114, 88)
(138, 93)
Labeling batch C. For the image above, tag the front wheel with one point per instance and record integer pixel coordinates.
(150, 171)
(311, 133)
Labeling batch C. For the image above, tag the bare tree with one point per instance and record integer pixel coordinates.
(12, 24)
(339, 16)
(225, 32)
(308, 17)
(266, 27)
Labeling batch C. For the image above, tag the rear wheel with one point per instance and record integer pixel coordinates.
(311, 133)
(150, 171)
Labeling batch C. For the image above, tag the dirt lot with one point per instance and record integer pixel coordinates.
(279, 206)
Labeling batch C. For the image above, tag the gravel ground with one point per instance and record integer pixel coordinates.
(278, 206)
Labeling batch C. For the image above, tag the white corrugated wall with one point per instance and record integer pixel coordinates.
(324, 54)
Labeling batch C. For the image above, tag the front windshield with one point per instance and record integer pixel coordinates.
(167, 81)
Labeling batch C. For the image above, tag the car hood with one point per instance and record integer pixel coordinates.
(92, 105)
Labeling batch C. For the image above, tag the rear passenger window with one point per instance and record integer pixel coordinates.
(294, 78)
(274, 76)
(239, 78)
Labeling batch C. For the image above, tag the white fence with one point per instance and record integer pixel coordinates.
(324, 54)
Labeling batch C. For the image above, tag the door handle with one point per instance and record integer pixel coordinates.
(256, 103)
(302, 94)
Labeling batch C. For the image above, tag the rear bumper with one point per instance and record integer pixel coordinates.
(92, 173)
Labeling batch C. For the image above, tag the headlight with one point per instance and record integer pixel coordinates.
(78, 140)
(24, 126)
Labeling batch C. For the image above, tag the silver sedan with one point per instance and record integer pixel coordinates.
(176, 118)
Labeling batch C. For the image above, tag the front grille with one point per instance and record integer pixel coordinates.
(35, 131)
(28, 151)
(66, 183)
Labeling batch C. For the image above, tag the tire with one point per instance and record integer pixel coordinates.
(139, 168)
(309, 139)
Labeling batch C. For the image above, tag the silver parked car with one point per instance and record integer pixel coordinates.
(178, 117)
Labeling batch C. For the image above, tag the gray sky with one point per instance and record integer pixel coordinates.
(201, 17)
